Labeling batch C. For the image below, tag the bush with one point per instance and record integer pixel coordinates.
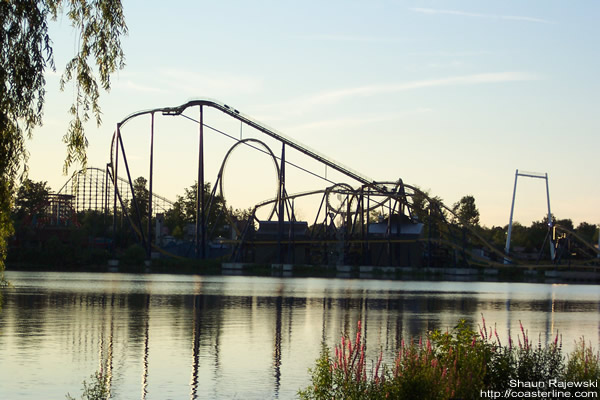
(134, 255)
(456, 364)
(346, 375)
(98, 389)
(538, 363)
(583, 366)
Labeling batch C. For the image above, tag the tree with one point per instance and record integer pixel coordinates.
(426, 207)
(26, 49)
(466, 210)
(587, 231)
(141, 196)
(537, 234)
(184, 211)
(565, 223)
(30, 197)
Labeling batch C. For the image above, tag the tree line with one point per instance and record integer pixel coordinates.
(180, 220)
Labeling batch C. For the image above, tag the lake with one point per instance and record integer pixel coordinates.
(227, 337)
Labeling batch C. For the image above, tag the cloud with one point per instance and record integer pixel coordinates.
(136, 87)
(352, 38)
(354, 121)
(479, 15)
(283, 110)
(372, 90)
(209, 84)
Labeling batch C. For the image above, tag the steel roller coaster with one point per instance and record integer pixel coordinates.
(411, 228)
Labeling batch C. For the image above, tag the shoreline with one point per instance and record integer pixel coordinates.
(554, 274)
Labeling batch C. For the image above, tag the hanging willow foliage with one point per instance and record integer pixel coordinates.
(26, 54)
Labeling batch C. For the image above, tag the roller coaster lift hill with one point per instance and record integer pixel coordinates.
(412, 230)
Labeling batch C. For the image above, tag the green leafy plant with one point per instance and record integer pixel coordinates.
(458, 363)
(583, 365)
(97, 389)
(345, 375)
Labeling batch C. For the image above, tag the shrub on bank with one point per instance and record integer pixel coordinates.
(460, 363)
(134, 255)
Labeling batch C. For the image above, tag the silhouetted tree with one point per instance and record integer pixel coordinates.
(184, 211)
(31, 196)
(141, 196)
(587, 231)
(466, 210)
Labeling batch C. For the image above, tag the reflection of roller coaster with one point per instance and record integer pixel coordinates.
(367, 223)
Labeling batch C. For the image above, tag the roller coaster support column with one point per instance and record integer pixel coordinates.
(150, 175)
(281, 210)
(105, 205)
(512, 209)
(115, 175)
(552, 255)
(362, 225)
(200, 217)
(133, 197)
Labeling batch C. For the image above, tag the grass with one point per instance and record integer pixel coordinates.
(460, 363)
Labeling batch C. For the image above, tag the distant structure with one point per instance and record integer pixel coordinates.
(534, 175)
(359, 221)
(342, 231)
(92, 189)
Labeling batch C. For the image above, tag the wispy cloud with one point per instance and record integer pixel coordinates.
(480, 15)
(444, 53)
(283, 110)
(372, 90)
(352, 38)
(209, 84)
(354, 121)
(136, 87)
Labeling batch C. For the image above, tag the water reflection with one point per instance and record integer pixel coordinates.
(224, 337)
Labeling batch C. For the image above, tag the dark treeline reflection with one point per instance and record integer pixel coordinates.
(30, 312)
(229, 342)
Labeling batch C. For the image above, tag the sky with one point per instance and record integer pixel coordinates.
(450, 96)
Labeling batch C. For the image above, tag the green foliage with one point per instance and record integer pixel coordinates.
(417, 373)
(31, 196)
(465, 359)
(94, 223)
(141, 197)
(26, 49)
(322, 378)
(55, 251)
(98, 389)
(6, 226)
(184, 212)
(101, 24)
(587, 231)
(538, 363)
(583, 365)
(466, 211)
(345, 376)
(456, 364)
(134, 255)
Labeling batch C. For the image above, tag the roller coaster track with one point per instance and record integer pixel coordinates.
(234, 113)
(581, 240)
(395, 190)
(88, 187)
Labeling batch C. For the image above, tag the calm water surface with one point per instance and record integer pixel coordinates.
(178, 337)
